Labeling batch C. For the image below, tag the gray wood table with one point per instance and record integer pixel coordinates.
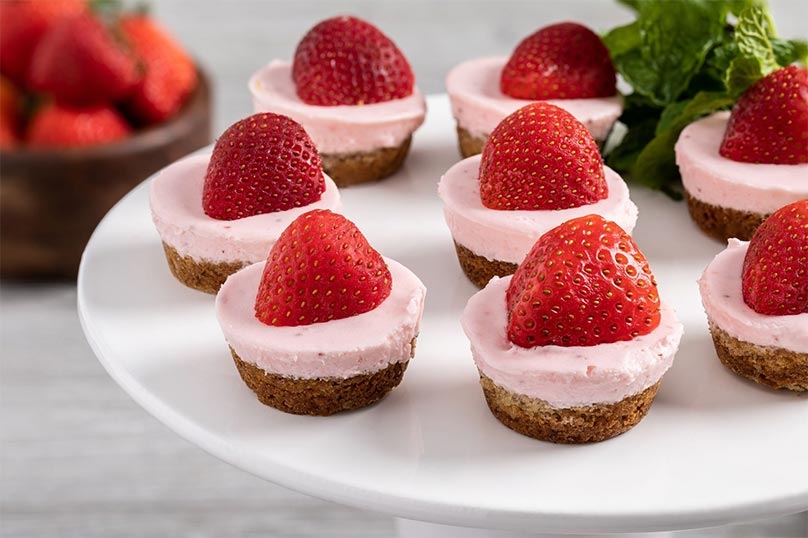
(78, 458)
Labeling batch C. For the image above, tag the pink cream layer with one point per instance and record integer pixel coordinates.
(718, 181)
(337, 129)
(478, 105)
(341, 348)
(566, 377)
(722, 297)
(509, 235)
(175, 198)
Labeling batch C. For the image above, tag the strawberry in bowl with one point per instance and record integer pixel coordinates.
(573, 346)
(92, 133)
(354, 92)
(755, 294)
(566, 64)
(539, 168)
(738, 167)
(326, 323)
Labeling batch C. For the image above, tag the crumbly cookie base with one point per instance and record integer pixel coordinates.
(472, 145)
(348, 169)
(480, 269)
(723, 222)
(200, 275)
(773, 367)
(320, 396)
(574, 425)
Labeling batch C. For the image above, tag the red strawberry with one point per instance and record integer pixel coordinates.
(583, 283)
(22, 24)
(347, 61)
(169, 72)
(541, 157)
(321, 268)
(561, 61)
(80, 62)
(775, 269)
(262, 164)
(769, 123)
(10, 113)
(60, 126)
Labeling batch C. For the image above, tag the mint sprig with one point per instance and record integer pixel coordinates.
(685, 59)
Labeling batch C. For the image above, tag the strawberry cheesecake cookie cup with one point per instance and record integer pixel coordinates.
(737, 168)
(566, 64)
(573, 347)
(755, 295)
(539, 168)
(354, 91)
(326, 324)
(219, 212)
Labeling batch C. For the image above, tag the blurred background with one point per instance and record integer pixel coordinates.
(79, 458)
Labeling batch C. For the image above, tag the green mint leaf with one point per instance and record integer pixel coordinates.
(790, 51)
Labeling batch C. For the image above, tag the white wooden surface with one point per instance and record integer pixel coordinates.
(77, 457)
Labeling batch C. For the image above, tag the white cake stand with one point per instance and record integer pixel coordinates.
(713, 450)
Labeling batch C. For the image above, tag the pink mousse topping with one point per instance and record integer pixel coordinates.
(478, 105)
(509, 235)
(722, 297)
(716, 180)
(175, 198)
(565, 376)
(340, 348)
(337, 129)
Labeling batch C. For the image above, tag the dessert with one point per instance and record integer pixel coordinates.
(326, 324)
(564, 63)
(353, 91)
(572, 348)
(756, 297)
(217, 213)
(539, 168)
(739, 167)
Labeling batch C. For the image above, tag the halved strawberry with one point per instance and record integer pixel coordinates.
(320, 269)
(583, 283)
(541, 157)
(59, 126)
(769, 123)
(169, 73)
(262, 164)
(775, 268)
(23, 23)
(561, 61)
(80, 62)
(348, 61)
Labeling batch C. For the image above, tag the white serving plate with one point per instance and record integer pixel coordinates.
(714, 449)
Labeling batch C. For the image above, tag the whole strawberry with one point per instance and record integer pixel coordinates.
(347, 61)
(169, 73)
(583, 283)
(10, 114)
(80, 62)
(59, 126)
(769, 123)
(541, 157)
(23, 23)
(320, 269)
(775, 269)
(561, 61)
(261, 164)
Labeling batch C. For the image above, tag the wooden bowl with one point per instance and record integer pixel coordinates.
(51, 200)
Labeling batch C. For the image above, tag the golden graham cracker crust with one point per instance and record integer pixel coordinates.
(480, 269)
(538, 419)
(320, 396)
(470, 145)
(723, 222)
(199, 275)
(773, 367)
(348, 169)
